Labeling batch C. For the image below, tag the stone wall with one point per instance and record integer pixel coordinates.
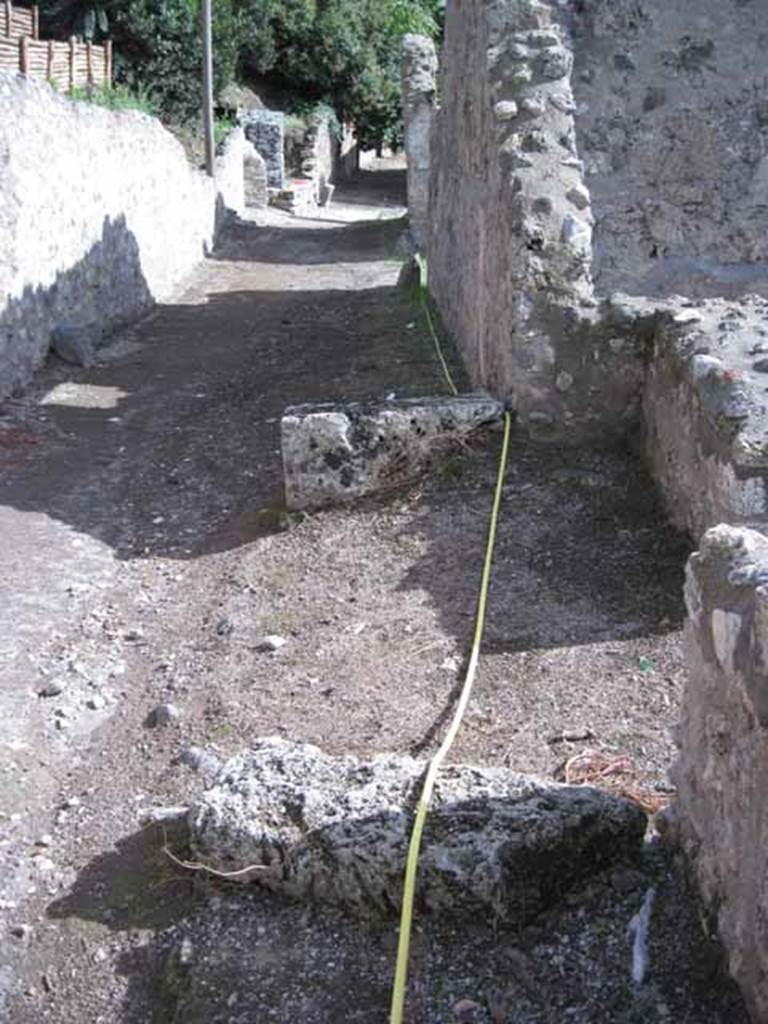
(265, 129)
(419, 72)
(722, 775)
(318, 155)
(511, 227)
(704, 413)
(101, 215)
(616, 138)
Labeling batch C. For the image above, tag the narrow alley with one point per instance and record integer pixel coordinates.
(147, 553)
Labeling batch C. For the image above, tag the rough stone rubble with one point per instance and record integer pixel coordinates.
(336, 829)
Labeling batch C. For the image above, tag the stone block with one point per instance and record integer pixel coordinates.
(336, 830)
(335, 453)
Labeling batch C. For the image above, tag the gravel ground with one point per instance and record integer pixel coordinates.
(148, 552)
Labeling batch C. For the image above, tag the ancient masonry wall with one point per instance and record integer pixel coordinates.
(265, 130)
(598, 250)
(583, 147)
(419, 73)
(101, 215)
(722, 774)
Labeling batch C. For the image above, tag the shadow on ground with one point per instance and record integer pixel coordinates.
(173, 449)
(236, 953)
(584, 551)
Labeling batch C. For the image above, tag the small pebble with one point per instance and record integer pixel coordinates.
(270, 643)
(163, 714)
(466, 1011)
(199, 760)
(52, 689)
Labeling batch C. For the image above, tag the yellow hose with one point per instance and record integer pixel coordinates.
(412, 863)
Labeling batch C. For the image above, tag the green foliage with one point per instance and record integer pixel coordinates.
(222, 126)
(118, 97)
(344, 53)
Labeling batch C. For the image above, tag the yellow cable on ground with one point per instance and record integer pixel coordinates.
(412, 863)
(423, 294)
(439, 348)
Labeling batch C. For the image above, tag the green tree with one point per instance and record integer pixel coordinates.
(345, 53)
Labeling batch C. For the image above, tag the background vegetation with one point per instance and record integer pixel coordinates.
(345, 53)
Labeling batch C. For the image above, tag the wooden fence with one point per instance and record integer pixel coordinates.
(70, 65)
(19, 21)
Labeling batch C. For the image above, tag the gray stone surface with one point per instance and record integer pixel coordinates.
(722, 774)
(336, 453)
(419, 78)
(671, 126)
(336, 830)
(705, 411)
(101, 215)
(265, 129)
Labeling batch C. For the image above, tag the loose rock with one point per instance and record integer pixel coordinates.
(270, 643)
(53, 689)
(163, 714)
(337, 830)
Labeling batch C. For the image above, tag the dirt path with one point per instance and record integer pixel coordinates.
(145, 550)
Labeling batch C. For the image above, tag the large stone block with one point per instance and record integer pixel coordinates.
(722, 774)
(336, 829)
(336, 453)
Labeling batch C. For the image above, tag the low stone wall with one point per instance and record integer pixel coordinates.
(704, 413)
(419, 74)
(722, 774)
(101, 217)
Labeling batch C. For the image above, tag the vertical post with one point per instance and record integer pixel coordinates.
(24, 55)
(72, 48)
(108, 64)
(89, 62)
(35, 22)
(49, 62)
(206, 17)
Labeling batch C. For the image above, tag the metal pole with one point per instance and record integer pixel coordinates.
(205, 13)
